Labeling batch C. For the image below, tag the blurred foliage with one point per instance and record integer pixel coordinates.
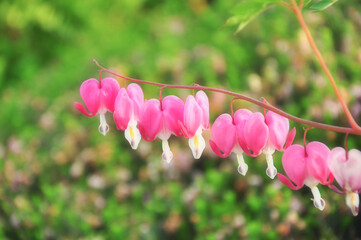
(60, 179)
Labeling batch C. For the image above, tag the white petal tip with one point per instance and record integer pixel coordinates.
(197, 144)
(133, 145)
(167, 157)
(167, 153)
(242, 170)
(353, 201)
(103, 129)
(355, 211)
(242, 166)
(132, 134)
(271, 172)
(319, 204)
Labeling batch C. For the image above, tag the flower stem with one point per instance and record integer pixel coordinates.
(297, 11)
(245, 98)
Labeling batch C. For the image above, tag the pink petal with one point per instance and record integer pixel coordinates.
(224, 134)
(256, 133)
(245, 149)
(352, 170)
(317, 154)
(291, 137)
(216, 150)
(294, 164)
(184, 130)
(90, 93)
(82, 109)
(135, 92)
(109, 89)
(150, 122)
(278, 129)
(202, 100)
(240, 118)
(123, 109)
(192, 116)
(288, 183)
(335, 189)
(336, 162)
(173, 108)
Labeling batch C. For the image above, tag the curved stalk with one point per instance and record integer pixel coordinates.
(265, 105)
(297, 11)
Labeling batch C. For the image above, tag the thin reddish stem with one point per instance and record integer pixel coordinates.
(160, 96)
(194, 84)
(100, 77)
(245, 98)
(304, 136)
(265, 101)
(304, 139)
(301, 4)
(233, 99)
(303, 24)
(286, 5)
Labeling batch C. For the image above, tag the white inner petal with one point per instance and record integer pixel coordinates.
(242, 166)
(353, 201)
(317, 200)
(103, 127)
(271, 171)
(132, 134)
(197, 144)
(167, 153)
(269, 148)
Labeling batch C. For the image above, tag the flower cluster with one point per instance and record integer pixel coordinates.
(253, 134)
(242, 132)
(147, 119)
(315, 163)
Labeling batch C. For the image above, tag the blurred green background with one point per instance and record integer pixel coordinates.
(61, 179)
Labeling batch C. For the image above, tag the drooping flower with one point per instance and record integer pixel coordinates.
(307, 167)
(162, 120)
(347, 172)
(279, 138)
(252, 133)
(127, 110)
(195, 121)
(99, 98)
(235, 135)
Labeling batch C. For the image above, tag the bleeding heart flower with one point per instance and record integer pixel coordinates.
(98, 98)
(347, 171)
(195, 121)
(278, 137)
(127, 111)
(252, 132)
(162, 120)
(246, 131)
(307, 167)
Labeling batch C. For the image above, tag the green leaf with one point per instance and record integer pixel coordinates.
(322, 5)
(307, 4)
(246, 11)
